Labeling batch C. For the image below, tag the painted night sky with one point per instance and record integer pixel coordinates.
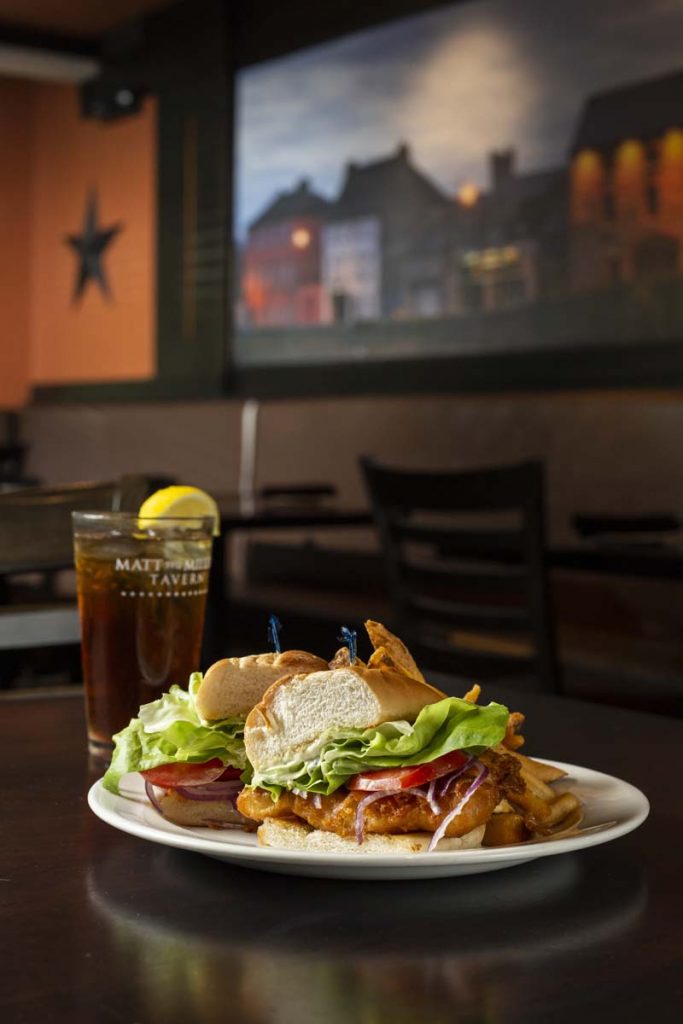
(455, 84)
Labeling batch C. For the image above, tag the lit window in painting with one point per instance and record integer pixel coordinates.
(587, 188)
(671, 177)
(629, 181)
(468, 194)
(301, 238)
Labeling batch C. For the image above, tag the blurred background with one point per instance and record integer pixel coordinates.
(246, 245)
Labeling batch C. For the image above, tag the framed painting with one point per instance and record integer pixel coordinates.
(478, 196)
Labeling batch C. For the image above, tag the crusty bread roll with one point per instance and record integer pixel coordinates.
(197, 813)
(298, 710)
(293, 835)
(232, 686)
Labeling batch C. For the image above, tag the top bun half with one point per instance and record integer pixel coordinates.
(288, 723)
(232, 686)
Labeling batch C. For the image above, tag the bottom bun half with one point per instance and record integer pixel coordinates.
(198, 813)
(293, 835)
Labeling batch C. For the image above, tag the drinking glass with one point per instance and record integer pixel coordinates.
(142, 586)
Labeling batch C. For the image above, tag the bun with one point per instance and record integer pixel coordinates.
(232, 686)
(297, 710)
(197, 813)
(283, 833)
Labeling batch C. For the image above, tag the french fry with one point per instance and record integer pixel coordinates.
(515, 722)
(505, 830)
(395, 654)
(472, 695)
(544, 772)
(538, 788)
(561, 808)
(535, 810)
(542, 809)
(382, 659)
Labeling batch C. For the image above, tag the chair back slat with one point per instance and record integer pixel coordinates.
(494, 545)
(475, 616)
(499, 488)
(464, 580)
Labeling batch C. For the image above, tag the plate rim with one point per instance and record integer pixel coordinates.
(99, 801)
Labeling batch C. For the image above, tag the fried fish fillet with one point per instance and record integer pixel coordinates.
(388, 815)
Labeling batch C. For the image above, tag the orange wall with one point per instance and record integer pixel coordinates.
(51, 159)
(15, 210)
(95, 339)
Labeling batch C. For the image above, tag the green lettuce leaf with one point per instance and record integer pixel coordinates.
(449, 724)
(171, 730)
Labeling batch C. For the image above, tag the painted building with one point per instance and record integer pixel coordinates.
(351, 270)
(280, 263)
(511, 239)
(387, 244)
(626, 207)
(394, 246)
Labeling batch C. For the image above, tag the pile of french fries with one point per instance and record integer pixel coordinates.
(537, 811)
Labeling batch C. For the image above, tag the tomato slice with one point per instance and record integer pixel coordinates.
(186, 774)
(413, 775)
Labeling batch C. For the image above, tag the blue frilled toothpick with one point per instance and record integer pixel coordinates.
(348, 637)
(274, 627)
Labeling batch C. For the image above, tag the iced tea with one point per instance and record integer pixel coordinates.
(142, 589)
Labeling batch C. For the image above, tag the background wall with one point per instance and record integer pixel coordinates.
(51, 159)
(16, 104)
(95, 339)
(608, 452)
(195, 442)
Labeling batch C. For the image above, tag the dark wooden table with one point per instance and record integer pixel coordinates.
(645, 561)
(98, 926)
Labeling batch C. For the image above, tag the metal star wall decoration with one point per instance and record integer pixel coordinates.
(89, 247)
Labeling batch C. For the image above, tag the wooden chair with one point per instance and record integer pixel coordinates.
(35, 538)
(464, 556)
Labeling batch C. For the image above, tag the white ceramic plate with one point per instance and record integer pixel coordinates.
(611, 809)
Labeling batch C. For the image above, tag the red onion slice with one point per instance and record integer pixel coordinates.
(482, 772)
(446, 780)
(227, 791)
(149, 790)
(434, 805)
(191, 794)
(211, 791)
(365, 802)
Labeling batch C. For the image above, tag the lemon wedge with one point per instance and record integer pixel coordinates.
(181, 501)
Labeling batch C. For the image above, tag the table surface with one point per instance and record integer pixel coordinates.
(101, 927)
(652, 561)
(620, 556)
(260, 514)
